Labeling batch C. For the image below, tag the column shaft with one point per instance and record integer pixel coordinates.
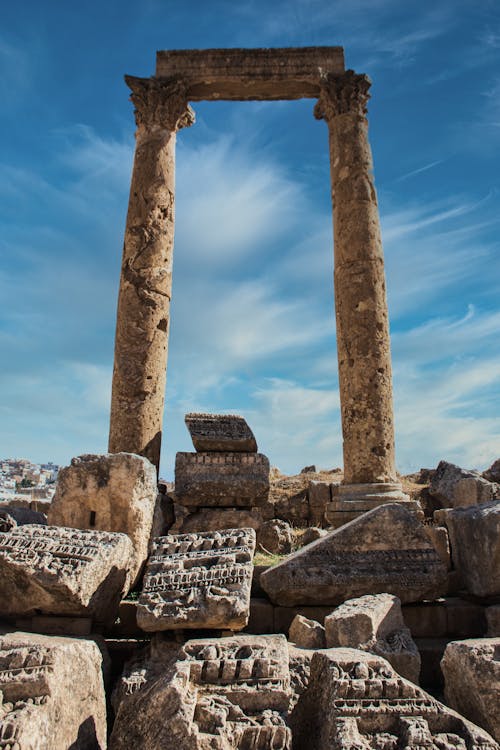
(142, 326)
(363, 343)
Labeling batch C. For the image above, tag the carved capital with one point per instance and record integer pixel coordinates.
(160, 104)
(343, 94)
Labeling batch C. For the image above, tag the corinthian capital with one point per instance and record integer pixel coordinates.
(342, 94)
(159, 104)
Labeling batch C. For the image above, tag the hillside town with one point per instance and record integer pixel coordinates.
(21, 479)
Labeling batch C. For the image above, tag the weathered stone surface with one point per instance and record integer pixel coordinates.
(319, 495)
(363, 343)
(356, 700)
(493, 620)
(10, 517)
(218, 694)
(220, 432)
(311, 534)
(307, 633)
(475, 545)
(275, 536)
(51, 693)
(492, 474)
(471, 671)
(60, 571)
(111, 492)
(441, 541)
(221, 479)
(198, 581)
(455, 487)
(214, 519)
(375, 623)
(361, 557)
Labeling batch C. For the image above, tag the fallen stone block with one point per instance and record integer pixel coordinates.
(307, 633)
(441, 541)
(492, 474)
(52, 570)
(455, 487)
(215, 519)
(356, 700)
(110, 492)
(52, 693)
(198, 581)
(275, 536)
(375, 623)
(471, 671)
(221, 694)
(10, 517)
(493, 620)
(318, 495)
(222, 479)
(384, 551)
(220, 433)
(475, 546)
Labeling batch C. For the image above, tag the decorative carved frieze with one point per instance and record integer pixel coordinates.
(342, 94)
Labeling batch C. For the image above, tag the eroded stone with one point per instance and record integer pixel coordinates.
(221, 479)
(356, 700)
(455, 487)
(217, 694)
(275, 536)
(220, 432)
(307, 633)
(471, 672)
(110, 492)
(51, 693)
(60, 571)
(198, 581)
(384, 551)
(375, 623)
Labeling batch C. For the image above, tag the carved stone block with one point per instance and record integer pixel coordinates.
(198, 581)
(59, 571)
(385, 550)
(217, 694)
(110, 492)
(220, 433)
(356, 700)
(51, 693)
(222, 479)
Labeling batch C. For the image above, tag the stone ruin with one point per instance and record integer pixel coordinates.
(140, 618)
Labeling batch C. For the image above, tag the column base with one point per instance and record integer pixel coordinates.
(352, 500)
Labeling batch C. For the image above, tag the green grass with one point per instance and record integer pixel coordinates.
(265, 558)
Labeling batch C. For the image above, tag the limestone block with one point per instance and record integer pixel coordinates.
(307, 633)
(471, 671)
(212, 693)
(464, 619)
(51, 693)
(220, 432)
(426, 619)
(319, 496)
(198, 581)
(441, 541)
(214, 519)
(284, 616)
(275, 536)
(221, 479)
(111, 492)
(475, 546)
(375, 623)
(492, 474)
(356, 700)
(311, 534)
(493, 620)
(60, 571)
(261, 618)
(455, 487)
(359, 558)
(10, 517)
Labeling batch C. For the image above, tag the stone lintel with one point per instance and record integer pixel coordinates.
(243, 74)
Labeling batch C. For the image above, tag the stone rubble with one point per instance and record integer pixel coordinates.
(198, 581)
(455, 487)
(275, 536)
(375, 623)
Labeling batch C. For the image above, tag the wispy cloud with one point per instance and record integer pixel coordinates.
(419, 170)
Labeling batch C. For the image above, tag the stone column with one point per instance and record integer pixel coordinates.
(363, 343)
(142, 326)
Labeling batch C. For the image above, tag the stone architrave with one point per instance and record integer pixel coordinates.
(51, 693)
(218, 694)
(363, 343)
(375, 623)
(471, 672)
(356, 700)
(221, 479)
(53, 570)
(384, 551)
(142, 326)
(220, 433)
(198, 581)
(455, 487)
(110, 492)
(475, 545)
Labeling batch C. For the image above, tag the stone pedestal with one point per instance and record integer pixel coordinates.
(141, 341)
(363, 344)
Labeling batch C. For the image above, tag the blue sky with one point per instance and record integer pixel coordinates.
(252, 316)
